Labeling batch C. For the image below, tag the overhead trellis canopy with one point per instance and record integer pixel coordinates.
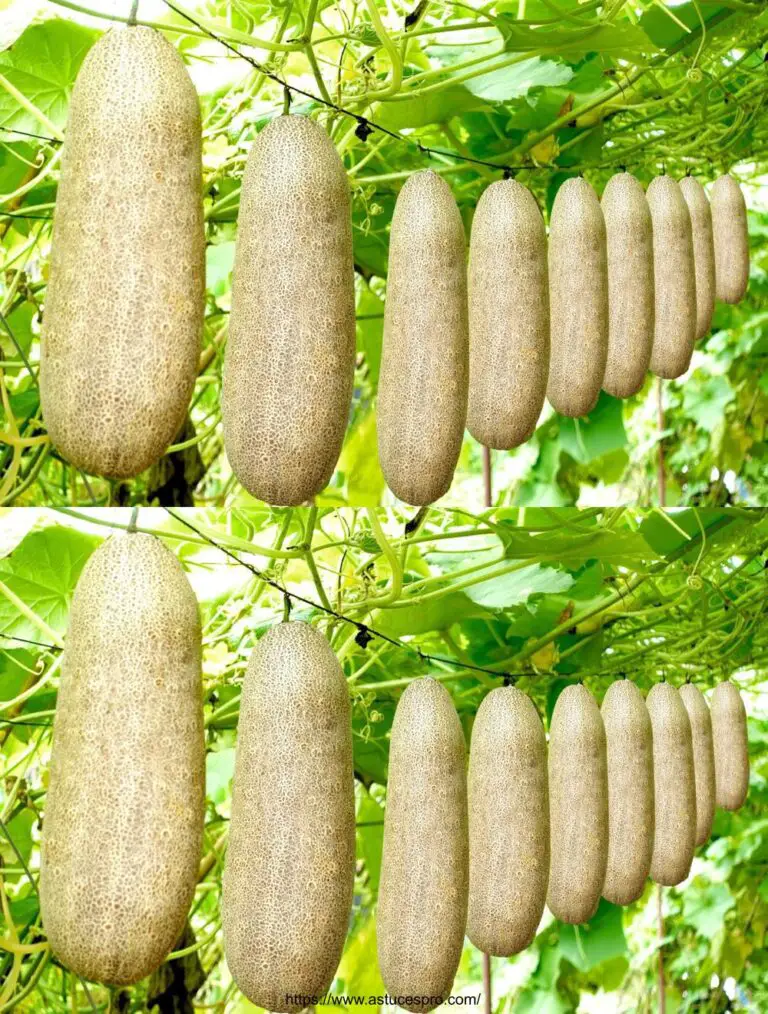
(530, 596)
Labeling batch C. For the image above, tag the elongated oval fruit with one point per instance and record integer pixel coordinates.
(674, 786)
(674, 276)
(629, 235)
(578, 806)
(729, 736)
(123, 820)
(630, 792)
(703, 252)
(422, 404)
(731, 235)
(423, 888)
(290, 864)
(290, 357)
(124, 305)
(508, 823)
(508, 316)
(703, 759)
(578, 296)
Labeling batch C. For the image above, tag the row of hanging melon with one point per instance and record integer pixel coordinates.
(623, 287)
(621, 796)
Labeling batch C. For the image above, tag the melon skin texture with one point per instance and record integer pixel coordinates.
(578, 806)
(422, 908)
(123, 313)
(703, 252)
(674, 786)
(729, 736)
(508, 823)
(578, 296)
(629, 740)
(674, 279)
(422, 399)
(123, 820)
(508, 316)
(731, 239)
(703, 759)
(290, 863)
(290, 357)
(629, 234)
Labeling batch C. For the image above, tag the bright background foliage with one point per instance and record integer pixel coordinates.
(552, 86)
(548, 596)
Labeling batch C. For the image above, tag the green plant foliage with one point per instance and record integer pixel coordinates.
(549, 88)
(545, 596)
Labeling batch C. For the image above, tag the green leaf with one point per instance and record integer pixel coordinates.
(705, 906)
(510, 589)
(370, 329)
(519, 79)
(618, 547)
(219, 258)
(219, 769)
(358, 971)
(601, 939)
(20, 831)
(664, 30)
(705, 400)
(618, 39)
(601, 432)
(434, 614)
(434, 107)
(370, 836)
(666, 531)
(42, 571)
(43, 65)
(370, 742)
(359, 464)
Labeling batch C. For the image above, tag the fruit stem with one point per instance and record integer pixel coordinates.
(133, 13)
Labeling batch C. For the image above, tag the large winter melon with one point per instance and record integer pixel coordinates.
(674, 279)
(674, 786)
(578, 806)
(422, 909)
(629, 740)
(629, 235)
(731, 239)
(123, 310)
(290, 864)
(422, 403)
(123, 818)
(508, 316)
(578, 292)
(290, 355)
(508, 823)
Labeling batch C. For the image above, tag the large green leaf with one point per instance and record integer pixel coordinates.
(618, 547)
(599, 433)
(601, 939)
(519, 79)
(617, 39)
(42, 571)
(706, 907)
(370, 836)
(43, 64)
(519, 586)
(435, 107)
(664, 28)
(434, 614)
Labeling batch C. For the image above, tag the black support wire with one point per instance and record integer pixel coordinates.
(365, 633)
